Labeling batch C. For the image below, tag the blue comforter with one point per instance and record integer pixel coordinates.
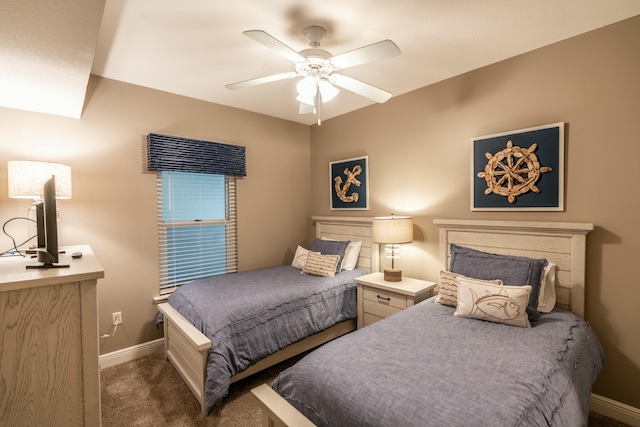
(253, 314)
(425, 367)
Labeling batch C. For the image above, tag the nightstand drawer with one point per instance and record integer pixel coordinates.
(370, 319)
(380, 310)
(390, 299)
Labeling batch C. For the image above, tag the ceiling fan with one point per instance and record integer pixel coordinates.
(317, 67)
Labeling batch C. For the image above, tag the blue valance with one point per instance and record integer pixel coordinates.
(172, 153)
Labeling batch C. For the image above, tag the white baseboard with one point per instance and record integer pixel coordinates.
(616, 410)
(131, 353)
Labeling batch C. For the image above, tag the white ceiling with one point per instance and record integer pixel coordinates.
(194, 48)
(46, 52)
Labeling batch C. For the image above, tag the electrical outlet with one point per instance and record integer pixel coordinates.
(117, 318)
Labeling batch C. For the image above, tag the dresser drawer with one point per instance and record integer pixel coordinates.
(390, 299)
(380, 310)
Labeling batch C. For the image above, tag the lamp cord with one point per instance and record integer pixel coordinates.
(15, 247)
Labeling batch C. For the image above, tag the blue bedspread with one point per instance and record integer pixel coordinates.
(425, 367)
(253, 314)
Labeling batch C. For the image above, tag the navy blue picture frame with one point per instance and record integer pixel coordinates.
(349, 184)
(535, 155)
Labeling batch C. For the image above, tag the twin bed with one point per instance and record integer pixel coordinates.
(429, 366)
(256, 319)
(424, 365)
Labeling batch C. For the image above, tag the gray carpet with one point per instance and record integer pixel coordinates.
(149, 392)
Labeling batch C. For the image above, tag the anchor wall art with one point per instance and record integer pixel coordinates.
(350, 183)
(519, 170)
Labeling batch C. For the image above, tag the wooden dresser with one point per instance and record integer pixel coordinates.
(49, 373)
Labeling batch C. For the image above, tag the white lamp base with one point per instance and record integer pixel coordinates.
(392, 275)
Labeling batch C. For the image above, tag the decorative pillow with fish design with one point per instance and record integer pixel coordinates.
(512, 270)
(448, 293)
(494, 303)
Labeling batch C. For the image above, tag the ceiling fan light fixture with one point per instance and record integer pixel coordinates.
(305, 99)
(306, 86)
(307, 90)
(327, 91)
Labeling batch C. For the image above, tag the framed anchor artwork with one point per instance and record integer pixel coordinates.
(350, 184)
(519, 170)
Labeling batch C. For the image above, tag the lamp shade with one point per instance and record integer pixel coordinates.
(26, 179)
(392, 229)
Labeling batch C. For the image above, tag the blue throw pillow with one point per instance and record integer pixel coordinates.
(331, 247)
(512, 270)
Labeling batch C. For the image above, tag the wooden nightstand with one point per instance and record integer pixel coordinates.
(378, 299)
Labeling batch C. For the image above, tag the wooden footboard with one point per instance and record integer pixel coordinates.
(188, 349)
(277, 412)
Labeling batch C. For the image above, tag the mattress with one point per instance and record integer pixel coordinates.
(250, 315)
(426, 367)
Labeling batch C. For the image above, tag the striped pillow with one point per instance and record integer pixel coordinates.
(448, 293)
(321, 265)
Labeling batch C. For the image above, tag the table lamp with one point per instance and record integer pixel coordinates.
(26, 179)
(392, 231)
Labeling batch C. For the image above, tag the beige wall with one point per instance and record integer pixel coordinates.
(418, 148)
(113, 208)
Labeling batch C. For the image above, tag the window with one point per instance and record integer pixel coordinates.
(196, 227)
(196, 193)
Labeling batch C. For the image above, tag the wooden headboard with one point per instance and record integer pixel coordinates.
(354, 229)
(561, 243)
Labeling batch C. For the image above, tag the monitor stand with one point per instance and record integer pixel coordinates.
(43, 266)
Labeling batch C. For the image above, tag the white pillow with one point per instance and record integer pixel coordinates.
(494, 303)
(300, 258)
(547, 298)
(351, 254)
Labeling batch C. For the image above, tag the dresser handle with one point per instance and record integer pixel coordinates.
(386, 300)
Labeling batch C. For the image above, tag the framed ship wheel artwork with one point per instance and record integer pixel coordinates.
(350, 184)
(519, 170)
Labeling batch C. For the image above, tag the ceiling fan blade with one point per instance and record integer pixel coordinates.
(361, 88)
(305, 108)
(373, 52)
(275, 44)
(261, 80)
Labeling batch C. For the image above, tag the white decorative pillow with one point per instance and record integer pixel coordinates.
(351, 254)
(495, 303)
(448, 293)
(547, 298)
(321, 265)
(300, 258)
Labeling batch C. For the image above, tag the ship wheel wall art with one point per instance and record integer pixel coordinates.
(349, 184)
(519, 170)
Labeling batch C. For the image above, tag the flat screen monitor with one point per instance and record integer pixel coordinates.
(48, 228)
(40, 224)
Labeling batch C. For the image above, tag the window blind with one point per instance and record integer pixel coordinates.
(196, 227)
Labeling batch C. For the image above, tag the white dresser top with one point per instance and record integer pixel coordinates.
(14, 274)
